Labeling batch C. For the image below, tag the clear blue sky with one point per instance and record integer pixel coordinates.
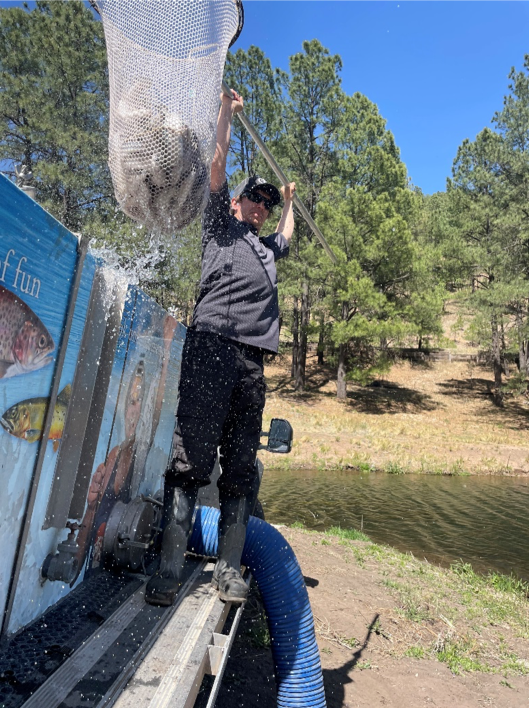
(437, 70)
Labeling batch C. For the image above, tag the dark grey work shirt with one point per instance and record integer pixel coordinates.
(238, 286)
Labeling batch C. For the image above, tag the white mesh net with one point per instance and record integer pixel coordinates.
(166, 59)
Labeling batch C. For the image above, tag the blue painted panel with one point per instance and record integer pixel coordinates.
(158, 453)
(141, 406)
(37, 262)
(96, 504)
(32, 595)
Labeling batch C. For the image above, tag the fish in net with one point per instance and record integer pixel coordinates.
(166, 60)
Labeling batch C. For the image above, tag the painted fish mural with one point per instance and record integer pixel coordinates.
(25, 420)
(25, 343)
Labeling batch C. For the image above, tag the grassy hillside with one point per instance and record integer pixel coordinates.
(428, 417)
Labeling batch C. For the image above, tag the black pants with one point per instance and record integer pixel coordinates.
(222, 396)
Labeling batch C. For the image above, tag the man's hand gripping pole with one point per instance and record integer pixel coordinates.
(282, 178)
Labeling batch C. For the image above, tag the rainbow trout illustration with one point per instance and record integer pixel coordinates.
(25, 343)
(25, 420)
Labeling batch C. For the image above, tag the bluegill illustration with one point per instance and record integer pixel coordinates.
(25, 343)
(25, 420)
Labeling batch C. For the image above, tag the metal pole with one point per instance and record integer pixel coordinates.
(282, 178)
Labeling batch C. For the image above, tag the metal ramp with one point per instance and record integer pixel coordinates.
(189, 646)
(148, 656)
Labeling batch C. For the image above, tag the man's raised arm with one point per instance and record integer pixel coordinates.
(228, 108)
(286, 222)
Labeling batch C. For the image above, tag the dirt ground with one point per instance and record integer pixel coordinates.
(351, 606)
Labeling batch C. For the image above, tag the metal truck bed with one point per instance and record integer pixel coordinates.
(138, 655)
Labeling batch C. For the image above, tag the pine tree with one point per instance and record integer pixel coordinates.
(365, 213)
(54, 106)
(251, 74)
(512, 124)
(311, 117)
(490, 231)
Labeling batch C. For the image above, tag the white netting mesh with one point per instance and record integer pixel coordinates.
(166, 60)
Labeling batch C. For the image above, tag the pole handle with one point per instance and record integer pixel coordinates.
(282, 177)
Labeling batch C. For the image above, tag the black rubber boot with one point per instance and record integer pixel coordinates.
(234, 515)
(179, 505)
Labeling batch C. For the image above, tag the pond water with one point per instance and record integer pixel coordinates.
(480, 520)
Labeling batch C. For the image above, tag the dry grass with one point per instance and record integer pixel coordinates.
(432, 418)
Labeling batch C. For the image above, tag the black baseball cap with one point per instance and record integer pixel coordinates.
(248, 185)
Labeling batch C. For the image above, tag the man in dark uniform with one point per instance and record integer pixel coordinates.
(222, 387)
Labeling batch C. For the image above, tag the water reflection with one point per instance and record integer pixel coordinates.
(481, 520)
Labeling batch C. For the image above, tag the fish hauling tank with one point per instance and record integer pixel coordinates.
(89, 373)
(89, 369)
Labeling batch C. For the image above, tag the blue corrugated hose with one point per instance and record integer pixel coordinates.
(275, 568)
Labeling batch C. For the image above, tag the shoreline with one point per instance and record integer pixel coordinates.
(382, 470)
(394, 631)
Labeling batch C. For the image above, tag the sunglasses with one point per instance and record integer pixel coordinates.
(257, 198)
